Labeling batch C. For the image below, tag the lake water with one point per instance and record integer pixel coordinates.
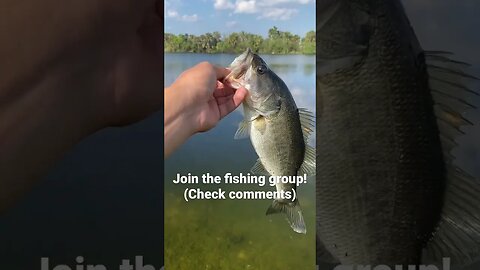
(234, 234)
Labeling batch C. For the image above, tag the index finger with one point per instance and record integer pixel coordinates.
(221, 72)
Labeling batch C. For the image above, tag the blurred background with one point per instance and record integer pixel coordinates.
(104, 200)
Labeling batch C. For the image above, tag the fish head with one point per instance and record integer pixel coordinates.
(238, 68)
(250, 71)
(347, 30)
(344, 28)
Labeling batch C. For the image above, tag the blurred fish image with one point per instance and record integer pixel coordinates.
(388, 191)
(277, 128)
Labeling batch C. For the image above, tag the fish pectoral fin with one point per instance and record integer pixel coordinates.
(243, 130)
(259, 169)
(307, 122)
(309, 162)
(293, 212)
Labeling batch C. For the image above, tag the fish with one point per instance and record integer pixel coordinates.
(278, 130)
(388, 117)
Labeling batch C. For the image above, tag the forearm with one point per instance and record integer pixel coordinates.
(178, 124)
(40, 125)
(45, 88)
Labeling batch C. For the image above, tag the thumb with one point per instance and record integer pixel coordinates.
(239, 96)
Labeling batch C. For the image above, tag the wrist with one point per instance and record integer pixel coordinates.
(179, 123)
(176, 109)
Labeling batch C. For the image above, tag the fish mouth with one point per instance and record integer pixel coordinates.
(239, 67)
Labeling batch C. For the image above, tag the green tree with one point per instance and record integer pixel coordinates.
(309, 43)
(277, 42)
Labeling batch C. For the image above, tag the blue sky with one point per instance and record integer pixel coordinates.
(226, 16)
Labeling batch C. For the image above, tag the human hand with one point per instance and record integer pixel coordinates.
(135, 78)
(196, 102)
(203, 95)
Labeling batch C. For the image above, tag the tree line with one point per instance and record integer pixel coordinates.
(277, 42)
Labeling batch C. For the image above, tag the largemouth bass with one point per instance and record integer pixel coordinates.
(277, 128)
(387, 189)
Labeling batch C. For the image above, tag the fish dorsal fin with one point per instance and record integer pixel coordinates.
(243, 130)
(308, 166)
(307, 121)
(259, 169)
(457, 235)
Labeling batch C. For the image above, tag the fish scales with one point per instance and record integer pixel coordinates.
(380, 173)
(280, 145)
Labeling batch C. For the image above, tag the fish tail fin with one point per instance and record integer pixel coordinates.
(293, 212)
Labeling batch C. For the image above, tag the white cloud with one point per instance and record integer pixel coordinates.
(267, 9)
(271, 3)
(232, 24)
(282, 14)
(189, 18)
(171, 13)
(223, 4)
(246, 6)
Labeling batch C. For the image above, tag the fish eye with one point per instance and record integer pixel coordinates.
(261, 69)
